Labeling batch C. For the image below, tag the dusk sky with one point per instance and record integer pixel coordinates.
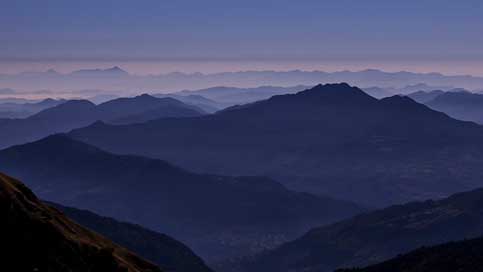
(252, 30)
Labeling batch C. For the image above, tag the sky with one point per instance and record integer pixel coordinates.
(426, 33)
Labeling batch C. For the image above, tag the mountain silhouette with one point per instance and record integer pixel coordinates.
(144, 108)
(462, 256)
(217, 216)
(164, 251)
(113, 71)
(425, 96)
(40, 238)
(333, 139)
(208, 105)
(378, 92)
(230, 96)
(101, 79)
(78, 113)
(377, 236)
(23, 110)
(460, 105)
(414, 88)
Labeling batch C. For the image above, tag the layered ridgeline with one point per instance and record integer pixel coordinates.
(37, 237)
(457, 103)
(377, 236)
(116, 79)
(230, 96)
(222, 97)
(425, 96)
(332, 139)
(460, 105)
(207, 105)
(217, 216)
(25, 109)
(463, 256)
(78, 113)
(162, 250)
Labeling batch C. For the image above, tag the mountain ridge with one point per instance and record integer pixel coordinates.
(166, 252)
(257, 212)
(78, 113)
(378, 235)
(331, 140)
(32, 225)
(242, 79)
(463, 256)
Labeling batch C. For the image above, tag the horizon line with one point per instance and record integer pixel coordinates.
(241, 71)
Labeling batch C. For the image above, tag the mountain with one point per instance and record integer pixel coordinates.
(64, 117)
(217, 216)
(101, 98)
(208, 105)
(116, 81)
(164, 251)
(462, 256)
(230, 96)
(461, 105)
(113, 71)
(144, 108)
(23, 110)
(422, 87)
(377, 236)
(332, 140)
(40, 238)
(425, 96)
(78, 113)
(378, 92)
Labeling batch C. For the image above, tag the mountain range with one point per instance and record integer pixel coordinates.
(460, 105)
(23, 110)
(377, 236)
(217, 216)
(37, 237)
(425, 96)
(230, 96)
(208, 105)
(462, 256)
(332, 140)
(162, 250)
(457, 103)
(116, 79)
(78, 113)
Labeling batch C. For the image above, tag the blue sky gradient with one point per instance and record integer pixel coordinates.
(241, 30)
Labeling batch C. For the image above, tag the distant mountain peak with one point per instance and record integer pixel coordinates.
(116, 69)
(470, 102)
(398, 99)
(109, 71)
(372, 71)
(335, 88)
(317, 97)
(77, 102)
(402, 102)
(52, 71)
(146, 96)
(65, 110)
(336, 91)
